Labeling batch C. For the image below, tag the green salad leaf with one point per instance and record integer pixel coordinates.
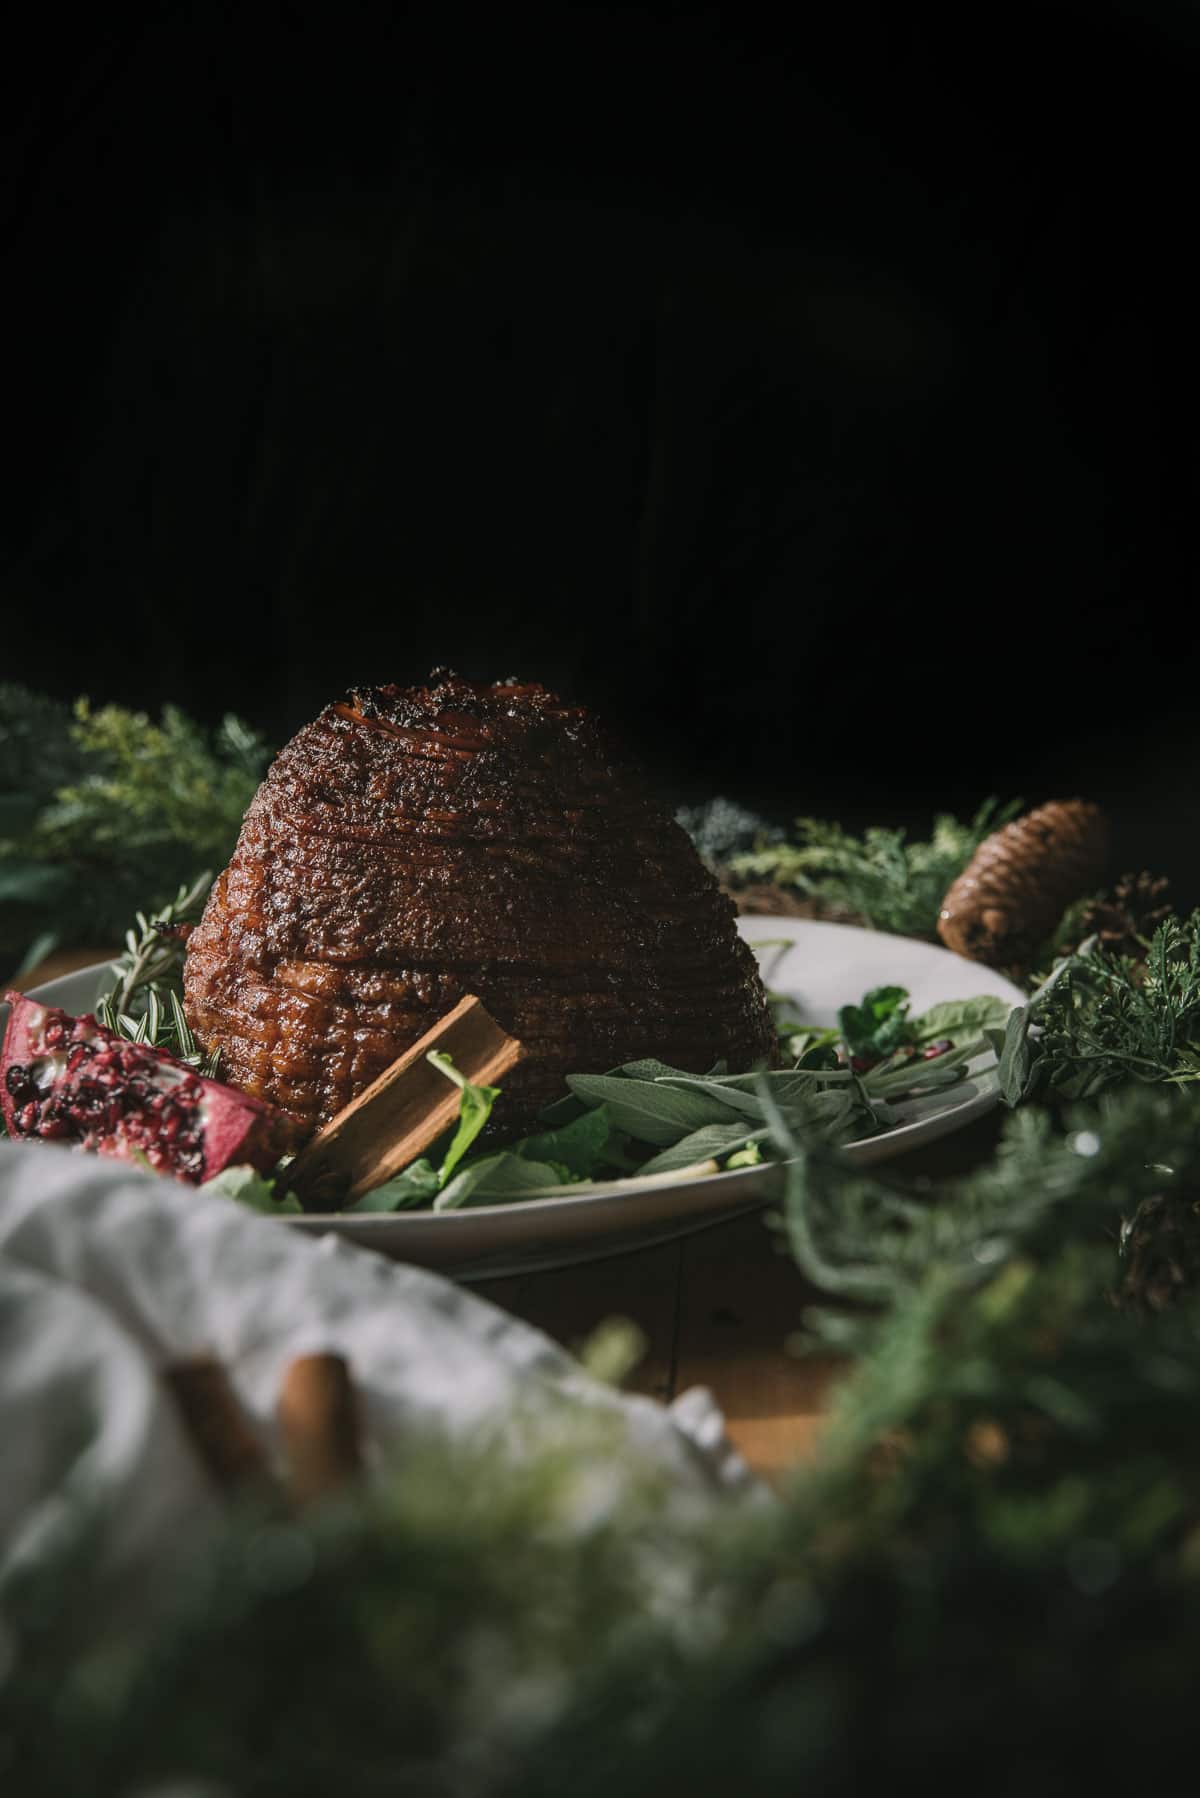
(878, 1024)
(418, 1184)
(579, 1146)
(474, 1111)
(249, 1187)
(423, 1183)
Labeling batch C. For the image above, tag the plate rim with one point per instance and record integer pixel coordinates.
(984, 1099)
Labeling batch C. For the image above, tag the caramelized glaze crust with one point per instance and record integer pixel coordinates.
(414, 845)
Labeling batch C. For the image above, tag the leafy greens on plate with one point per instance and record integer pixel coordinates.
(655, 1120)
(645, 1117)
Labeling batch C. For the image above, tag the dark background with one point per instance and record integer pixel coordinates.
(817, 396)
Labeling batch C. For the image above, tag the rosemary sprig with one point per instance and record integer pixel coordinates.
(152, 952)
(145, 1001)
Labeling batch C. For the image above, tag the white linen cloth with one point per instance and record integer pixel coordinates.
(108, 1273)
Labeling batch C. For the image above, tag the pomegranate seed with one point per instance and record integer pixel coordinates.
(17, 1080)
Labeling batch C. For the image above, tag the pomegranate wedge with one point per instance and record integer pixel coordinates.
(65, 1079)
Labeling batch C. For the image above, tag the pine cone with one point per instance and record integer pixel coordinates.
(1124, 919)
(1160, 1252)
(1020, 880)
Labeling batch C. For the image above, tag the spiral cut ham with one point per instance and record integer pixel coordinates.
(411, 846)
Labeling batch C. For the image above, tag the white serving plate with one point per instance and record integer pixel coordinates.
(821, 967)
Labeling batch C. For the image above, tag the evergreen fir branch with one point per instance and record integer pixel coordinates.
(105, 810)
(894, 884)
(1111, 1020)
(874, 1237)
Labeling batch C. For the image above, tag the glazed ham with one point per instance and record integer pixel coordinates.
(414, 845)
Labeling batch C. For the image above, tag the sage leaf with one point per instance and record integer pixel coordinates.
(708, 1144)
(561, 1112)
(960, 1017)
(646, 1110)
(728, 1098)
(789, 1087)
(1016, 1060)
(650, 1069)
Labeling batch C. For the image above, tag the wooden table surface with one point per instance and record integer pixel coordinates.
(717, 1308)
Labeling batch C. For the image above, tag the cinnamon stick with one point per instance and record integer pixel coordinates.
(403, 1111)
(217, 1424)
(319, 1423)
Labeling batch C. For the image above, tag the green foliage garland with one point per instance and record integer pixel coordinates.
(893, 883)
(104, 810)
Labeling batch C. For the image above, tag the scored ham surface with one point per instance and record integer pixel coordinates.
(414, 845)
